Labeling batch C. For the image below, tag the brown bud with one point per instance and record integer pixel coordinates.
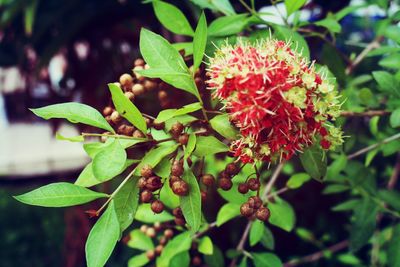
(138, 134)
(157, 226)
(231, 169)
(163, 241)
(107, 111)
(137, 89)
(243, 188)
(246, 210)
(159, 249)
(177, 168)
(162, 95)
(146, 171)
(139, 62)
(172, 179)
(150, 85)
(168, 233)
(208, 179)
(224, 174)
(180, 221)
(125, 129)
(143, 228)
(203, 196)
(130, 95)
(255, 202)
(146, 196)
(158, 125)
(225, 184)
(180, 187)
(148, 122)
(177, 212)
(263, 214)
(157, 206)
(253, 184)
(183, 139)
(176, 129)
(115, 117)
(125, 80)
(151, 254)
(153, 183)
(142, 183)
(151, 232)
(196, 261)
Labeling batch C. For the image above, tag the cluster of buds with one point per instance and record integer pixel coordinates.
(254, 208)
(148, 184)
(276, 98)
(225, 180)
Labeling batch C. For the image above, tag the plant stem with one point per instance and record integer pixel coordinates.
(369, 113)
(117, 136)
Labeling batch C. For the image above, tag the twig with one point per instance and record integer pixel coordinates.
(118, 136)
(272, 181)
(369, 113)
(395, 175)
(209, 227)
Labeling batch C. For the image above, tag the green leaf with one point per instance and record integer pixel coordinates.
(29, 16)
(191, 144)
(78, 138)
(314, 162)
(223, 126)
(165, 62)
(266, 260)
(223, 6)
(186, 46)
(347, 205)
(75, 113)
(393, 32)
(199, 41)
(178, 244)
(180, 260)
(337, 166)
(209, 145)
(267, 240)
(391, 62)
(282, 215)
(59, 195)
(168, 197)
(394, 248)
(206, 246)
(335, 188)
(109, 162)
(256, 232)
(227, 212)
(216, 259)
(126, 108)
(172, 18)
(330, 24)
(167, 114)
(297, 180)
(191, 204)
(154, 156)
(364, 224)
(386, 82)
(227, 25)
(126, 202)
(138, 260)
(395, 118)
(293, 5)
(146, 215)
(102, 238)
(297, 41)
(184, 119)
(140, 241)
(391, 197)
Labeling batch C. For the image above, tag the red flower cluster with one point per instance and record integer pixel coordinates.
(276, 99)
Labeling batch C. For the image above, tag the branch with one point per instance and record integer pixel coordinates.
(395, 175)
(369, 113)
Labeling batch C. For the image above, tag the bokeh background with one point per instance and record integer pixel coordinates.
(57, 51)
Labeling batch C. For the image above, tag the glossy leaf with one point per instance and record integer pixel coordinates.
(138, 260)
(172, 18)
(266, 260)
(223, 6)
(185, 46)
(282, 215)
(154, 156)
(216, 259)
(126, 202)
(395, 118)
(102, 238)
(330, 24)
(191, 144)
(227, 212)
(109, 162)
(256, 232)
(178, 244)
(314, 162)
(167, 114)
(180, 260)
(293, 5)
(59, 195)
(386, 82)
(199, 41)
(206, 246)
(75, 113)
(146, 215)
(227, 25)
(140, 241)
(191, 204)
(78, 138)
(209, 145)
(126, 108)
(297, 180)
(223, 126)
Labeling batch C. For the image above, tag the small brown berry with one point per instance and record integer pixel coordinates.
(143, 228)
(115, 117)
(151, 232)
(107, 111)
(150, 85)
(208, 179)
(225, 184)
(243, 188)
(162, 95)
(150, 254)
(177, 168)
(203, 196)
(231, 169)
(157, 226)
(125, 129)
(168, 233)
(183, 139)
(177, 212)
(246, 210)
(224, 174)
(158, 125)
(253, 184)
(196, 261)
(157, 206)
(180, 187)
(146, 171)
(146, 196)
(138, 134)
(180, 221)
(130, 95)
(172, 179)
(137, 89)
(176, 129)
(142, 183)
(255, 202)
(139, 62)
(153, 183)
(159, 249)
(263, 214)
(125, 80)
(163, 241)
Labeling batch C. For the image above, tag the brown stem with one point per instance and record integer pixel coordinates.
(395, 175)
(369, 113)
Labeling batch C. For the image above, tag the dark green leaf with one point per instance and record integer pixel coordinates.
(172, 18)
(126, 108)
(222, 125)
(392, 62)
(109, 162)
(191, 204)
(216, 259)
(138, 260)
(227, 25)
(75, 113)
(297, 180)
(394, 248)
(126, 202)
(206, 246)
(386, 82)
(347, 205)
(335, 188)
(140, 241)
(209, 145)
(180, 260)
(146, 215)
(330, 24)
(314, 162)
(59, 195)
(178, 244)
(266, 260)
(282, 215)
(199, 42)
(154, 156)
(102, 238)
(227, 212)
(256, 232)
(391, 197)
(395, 118)
(223, 6)
(337, 166)
(293, 5)
(267, 240)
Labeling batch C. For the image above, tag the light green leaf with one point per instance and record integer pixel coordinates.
(282, 215)
(386, 82)
(78, 138)
(347, 205)
(223, 126)
(335, 188)
(184, 119)
(102, 238)
(297, 180)
(314, 162)
(178, 244)
(126, 108)
(172, 18)
(395, 118)
(337, 166)
(191, 144)
(126, 202)
(168, 197)
(216, 259)
(393, 32)
(209, 145)
(140, 241)
(109, 162)
(227, 25)
(199, 41)
(146, 215)
(267, 240)
(167, 114)
(266, 260)
(59, 195)
(227, 212)
(206, 246)
(391, 62)
(394, 248)
(223, 6)
(154, 156)
(330, 24)
(256, 232)
(191, 204)
(75, 113)
(293, 5)
(138, 260)
(180, 260)
(186, 46)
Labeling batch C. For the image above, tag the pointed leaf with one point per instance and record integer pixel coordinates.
(314, 162)
(199, 41)
(126, 202)
(266, 260)
(138, 260)
(256, 232)
(191, 204)
(209, 145)
(222, 125)
(282, 215)
(227, 212)
(109, 162)
(140, 240)
(206, 246)
(178, 244)
(154, 156)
